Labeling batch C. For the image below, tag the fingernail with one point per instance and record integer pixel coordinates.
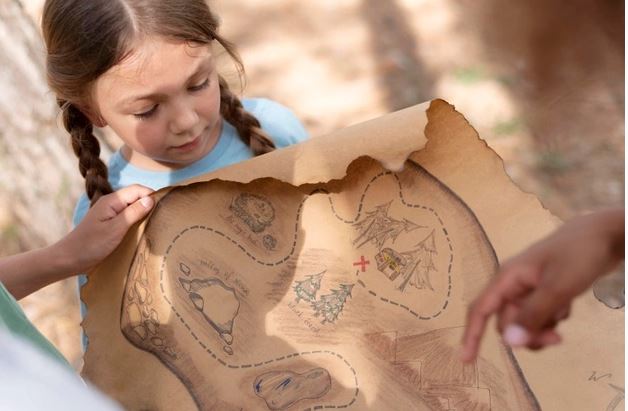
(516, 335)
(147, 202)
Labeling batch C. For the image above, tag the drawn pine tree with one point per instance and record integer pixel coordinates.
(378, 227)
(330, 306)
(307, 289)
(420, 264)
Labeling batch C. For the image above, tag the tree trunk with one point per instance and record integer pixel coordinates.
(39, 178)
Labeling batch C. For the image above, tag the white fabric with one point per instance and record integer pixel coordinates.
(31, 381)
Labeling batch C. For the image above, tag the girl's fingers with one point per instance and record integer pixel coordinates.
(511, 283)
(544, 339)
(516, 335)
(562, 314)
(540, 310)
(506, 316)
(116, 202)
(488, 303)
(477, 316)
(135, 212)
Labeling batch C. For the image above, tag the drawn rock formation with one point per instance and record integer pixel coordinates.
(254, 210)
(281, 389)
(218, 304)
(140, 322)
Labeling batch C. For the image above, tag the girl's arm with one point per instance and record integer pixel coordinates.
(100, 232)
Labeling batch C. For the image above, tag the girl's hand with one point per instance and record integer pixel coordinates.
(533, 291)
(104, 226)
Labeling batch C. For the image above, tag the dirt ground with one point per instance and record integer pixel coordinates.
(542, 81)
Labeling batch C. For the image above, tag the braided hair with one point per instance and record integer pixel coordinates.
(87, 149)
(248, 127)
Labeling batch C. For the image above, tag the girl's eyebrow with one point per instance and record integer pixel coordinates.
(208, 64)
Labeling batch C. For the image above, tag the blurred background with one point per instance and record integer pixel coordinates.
(542, 81)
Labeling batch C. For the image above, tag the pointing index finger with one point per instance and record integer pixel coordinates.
(507, 286)
(478, 314)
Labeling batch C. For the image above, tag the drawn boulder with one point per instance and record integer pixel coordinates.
(254, 210)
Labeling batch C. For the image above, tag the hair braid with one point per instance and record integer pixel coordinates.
(248, 127)
(87, 149)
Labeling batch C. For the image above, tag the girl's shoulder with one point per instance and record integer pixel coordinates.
(277, 120)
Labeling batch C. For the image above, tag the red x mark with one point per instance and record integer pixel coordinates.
(363, 263)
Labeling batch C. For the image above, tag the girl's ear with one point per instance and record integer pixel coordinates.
(95, 118)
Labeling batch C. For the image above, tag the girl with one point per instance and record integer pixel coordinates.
(147, 69)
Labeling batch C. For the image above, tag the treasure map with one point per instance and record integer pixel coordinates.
(336, 275)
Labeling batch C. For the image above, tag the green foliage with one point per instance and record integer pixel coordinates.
(552, 162)
(10, 239)
(469, 75)
(507, 127)
(10, 232)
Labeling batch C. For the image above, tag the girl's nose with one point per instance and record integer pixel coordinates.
(184, 118)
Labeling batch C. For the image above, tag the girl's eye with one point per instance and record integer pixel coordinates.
(147, 114)
(201, 86)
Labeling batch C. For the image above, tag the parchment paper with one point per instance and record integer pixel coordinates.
(335, 275)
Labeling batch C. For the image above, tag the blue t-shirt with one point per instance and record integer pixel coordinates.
(276, 120)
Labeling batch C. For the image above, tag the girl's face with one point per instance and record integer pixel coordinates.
(163, 101)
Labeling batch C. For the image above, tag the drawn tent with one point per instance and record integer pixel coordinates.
(338, 281)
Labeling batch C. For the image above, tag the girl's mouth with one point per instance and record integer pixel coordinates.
(188, 146)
